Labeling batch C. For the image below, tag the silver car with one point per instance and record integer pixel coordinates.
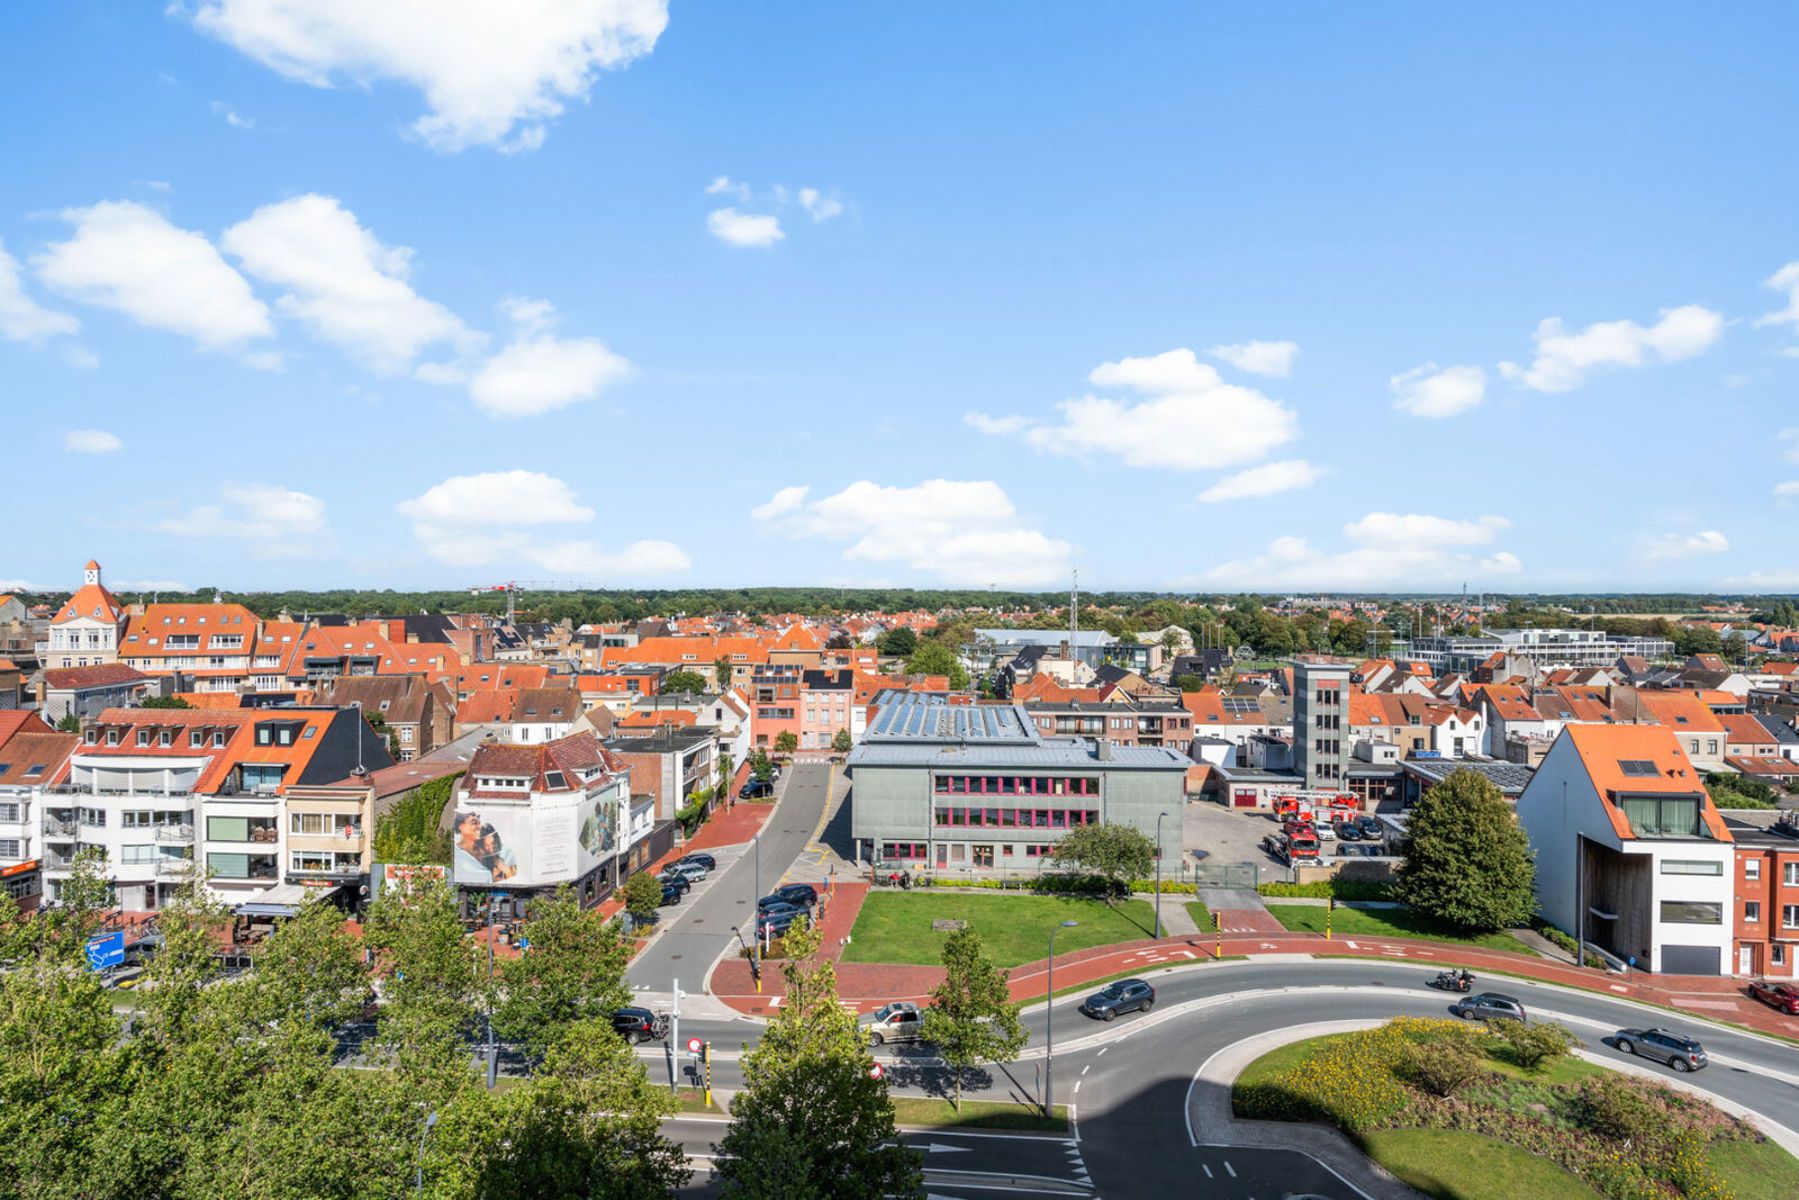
(900, 1021)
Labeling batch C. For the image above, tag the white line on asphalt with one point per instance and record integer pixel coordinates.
(1077, 1088)
(1231, 1169)
(1206, 1169)
(1086, 1068)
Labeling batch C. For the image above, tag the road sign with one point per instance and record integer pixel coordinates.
(876, 1071)
(106, 950)
(695, 1045)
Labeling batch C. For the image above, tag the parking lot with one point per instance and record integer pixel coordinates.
(1213, 833)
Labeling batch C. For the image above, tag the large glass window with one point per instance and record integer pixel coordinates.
(1685, 866)
(130, 855)
(228, 829)
(1692, 912)
(1663, 816)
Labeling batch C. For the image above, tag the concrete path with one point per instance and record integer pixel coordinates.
(1176, 920)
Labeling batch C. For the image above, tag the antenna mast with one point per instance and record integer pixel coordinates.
(1074, 611)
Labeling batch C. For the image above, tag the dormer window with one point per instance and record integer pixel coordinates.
(218, 737)
(143, 737)
(196, 739)
(93, 737)
(166, 738)
(112, 737)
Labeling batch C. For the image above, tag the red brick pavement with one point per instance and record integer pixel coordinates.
(1246, 920)
(868, 985)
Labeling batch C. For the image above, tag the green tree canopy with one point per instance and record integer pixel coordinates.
(412, 831)
(573, 971)
(1468, 862)
(786, 742)
(841, 741)
(1119, 853)
(683, 681)
(937, 658)
(643, 894)
(972, 1018)
(898, 642)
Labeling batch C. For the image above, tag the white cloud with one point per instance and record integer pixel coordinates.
(22, 319)
(1259, 358)
(1675, 545)
(474, 520)
(25, 585)
(491, 74)
(1789, 488)
(819, 206)
(1564, 359)
(91, 441)
(538, 372)
(150, 585)
(1789, 439)
(342, 283)
(1266, 480)
(1432, 391)
(724, 185)
(262, 513)
(1786, 279)
(1191, 421)
(1388, 550)
(231, 115)
(999, 426)
(744, 229)
(129, 258)
(965, 532)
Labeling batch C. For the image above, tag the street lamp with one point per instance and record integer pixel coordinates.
(755, 897)
(1159, 817)
(1049, 1025)
(418, 1180)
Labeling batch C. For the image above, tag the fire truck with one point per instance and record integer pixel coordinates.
(1315, 807)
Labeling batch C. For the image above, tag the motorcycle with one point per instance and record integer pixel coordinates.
(1453, 981)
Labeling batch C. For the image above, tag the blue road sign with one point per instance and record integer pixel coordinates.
(107, 950)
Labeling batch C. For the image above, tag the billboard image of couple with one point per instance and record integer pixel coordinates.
(527, 845)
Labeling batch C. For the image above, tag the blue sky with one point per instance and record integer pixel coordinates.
(1204, 297)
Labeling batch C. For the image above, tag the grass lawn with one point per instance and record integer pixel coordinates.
(1467, 1166)
(1757, 1170)
(1282, 1057)
(1383, 922)
(895, 927)
(1202, 917)
(976, 1114)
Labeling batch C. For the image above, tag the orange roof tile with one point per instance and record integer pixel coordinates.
(1604, 748)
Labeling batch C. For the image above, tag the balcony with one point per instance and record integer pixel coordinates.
(173, 867)
(177, 835)
(56, 862)
(53, 827)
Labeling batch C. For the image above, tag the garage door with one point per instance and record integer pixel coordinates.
(1245, 798)
(1691, 960)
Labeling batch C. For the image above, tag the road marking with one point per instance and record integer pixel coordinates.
(1103, 1049)
(1231, 1169)
(1077, 1088)
(1086, 1068)
(940, 1148)
(1206, 1169)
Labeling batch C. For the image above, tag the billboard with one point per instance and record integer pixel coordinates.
(405, 875)
(535, 843)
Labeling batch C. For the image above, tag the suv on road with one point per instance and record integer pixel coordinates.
(671, 891)
(639, 1025)
(1126, 995)
(1370, 827)
(1674, 1049)
(896, 1022)
(1489, 1006)
(1781, 996)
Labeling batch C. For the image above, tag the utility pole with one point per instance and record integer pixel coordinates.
(674, 1041)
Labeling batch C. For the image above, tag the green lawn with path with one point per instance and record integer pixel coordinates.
(1384, 922)
(977, 1114)
(1201, 915)
(1466, 1166)
(895, 927)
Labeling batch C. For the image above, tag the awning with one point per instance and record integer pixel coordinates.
(282, 900)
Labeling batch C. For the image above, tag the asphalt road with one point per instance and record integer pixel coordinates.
(699, 928)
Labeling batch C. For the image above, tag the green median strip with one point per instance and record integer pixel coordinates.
(932, 1113)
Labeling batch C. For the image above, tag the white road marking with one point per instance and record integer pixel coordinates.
(1231, 1169)
(1086, 1068)
(1077, 1088)
(1206, 1169)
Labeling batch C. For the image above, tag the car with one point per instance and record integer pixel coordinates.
(1349, 831)
(896, 1022)
(1781, 996)
(1327, 833)
(777, 923)
(776, 903)
(668, 877)
(755, 789)
(639, 1025)
(1489, 1006)
(800, 895)
(671, 894)
(691, 871)
(1123, 996)
(704, 860)
(1274, 843)
(1675, 1050)
(1371, 827)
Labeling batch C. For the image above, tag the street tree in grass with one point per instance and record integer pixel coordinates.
(812, 1122)
(1469, 862)
(972, 1018)
(762, 767)
(683, 681)
(1118, 853)
(574, 970)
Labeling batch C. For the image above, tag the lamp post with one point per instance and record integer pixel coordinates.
(1049, 1025)
(1159, 817)
(755, 896)
(418, 1178)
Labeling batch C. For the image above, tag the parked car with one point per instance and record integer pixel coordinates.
(704, 860)
(776, 922)
(775, 903)
(671, 892)
(1675, 1050)
(1349, 831)
(1126, 995)
(1489, 1006)
(756, 789)
(1782, 996)
(801, 895)
(1371, 827)
(896, 1022)
(639, 1025)
(691, 871)
(1324, 832)
(669, 877)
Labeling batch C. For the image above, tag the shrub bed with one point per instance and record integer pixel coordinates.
(1342, 889)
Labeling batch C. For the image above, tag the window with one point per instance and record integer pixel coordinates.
(9, 848)
(166, 737)
(1699, 912)
(9, 811)
(1663, 816)
(1790, 875)
(1752, 912)
(137, 819)
(1778, 955)
(1789, 916)
(1636, 766)
(1684, 866)
(1711, 745)
(1752, 868)
(324, 824)
(196, 739)
(137, 855)
(143, 737)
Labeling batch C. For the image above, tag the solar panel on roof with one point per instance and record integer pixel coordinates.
(1637, 766)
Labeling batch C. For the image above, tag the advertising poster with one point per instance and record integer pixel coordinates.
(491, 844)
(599, 829)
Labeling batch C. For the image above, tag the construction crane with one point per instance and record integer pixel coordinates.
(512, 587)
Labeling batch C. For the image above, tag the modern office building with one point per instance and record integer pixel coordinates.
(979, 788)
(1544, 647)
(1322, 747)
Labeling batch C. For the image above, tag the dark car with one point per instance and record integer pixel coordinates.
(1126, 995)
(1370, 827)
(800, 895)
(1489, 1006)
(776, 903)
(671, 893)
(1781, 996)
(1674, 1049)
(1349, 831)
(755, 789)
(674, 879)
(701, 860)
(777, 922)
(639, 1025)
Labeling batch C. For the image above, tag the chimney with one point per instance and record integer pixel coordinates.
(1104, 750)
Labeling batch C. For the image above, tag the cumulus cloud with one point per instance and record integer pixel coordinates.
(23, 319)
(1789, 488)
(724, 185)
(1189, 420)
(1433, 391)
(491, 74)
(964, 532)
(1268, 479)
(1676, 545)
(1274, 359)
(474, 520)
(1564, 359)
(279, 522)
(91, 441)
(998, 426)
(1789, 442)
(1786, 280)
(538, 372)
(819, 206)
(129, 258)
(342, 283)
(1387, 550)
(744, 229)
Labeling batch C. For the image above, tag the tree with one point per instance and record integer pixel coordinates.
(1443, 1067)
(811, 1122)
(70, 723)
(574, 970)
(1190, 683)
(412, 830)
(786, 742)
(310, 971)
(723, 672)
(683, 681)
(936, 658)
(435, 975)
(972, 1018)
(762, 767)
(1119, 853)
(643, 895)
(1528, 1046)
(840, 741)
(162, 702)
(1469, 861)
(898, 642)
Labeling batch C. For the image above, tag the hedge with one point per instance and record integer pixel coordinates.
(1077, 885)
(1566, 942)
(1341, 889)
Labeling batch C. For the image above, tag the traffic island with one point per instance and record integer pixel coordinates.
(931, 1112)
